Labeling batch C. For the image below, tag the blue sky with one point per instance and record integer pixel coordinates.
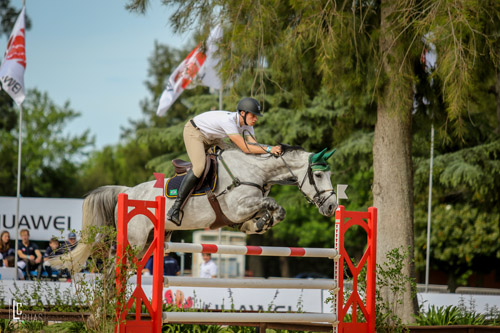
(94, 54)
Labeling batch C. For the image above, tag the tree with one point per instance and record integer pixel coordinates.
(50, 158)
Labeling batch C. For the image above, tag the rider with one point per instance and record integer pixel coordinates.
(206, 130)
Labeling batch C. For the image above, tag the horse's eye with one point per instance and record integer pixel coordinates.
(318, 175)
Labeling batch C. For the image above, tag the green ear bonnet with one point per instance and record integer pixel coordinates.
(318, 160)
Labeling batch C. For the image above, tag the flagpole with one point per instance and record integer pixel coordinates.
(18, 194)
(429, 210)
(220, 229)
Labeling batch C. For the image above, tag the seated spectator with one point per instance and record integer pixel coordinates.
(5, 249)
(170, 266)
(54, 249)
(10, 263)
(71, 243)
(29, 255)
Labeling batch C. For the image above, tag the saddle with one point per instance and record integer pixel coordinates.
(206, 185)
(207, 181)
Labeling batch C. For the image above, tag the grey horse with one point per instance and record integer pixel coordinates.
(243, 186)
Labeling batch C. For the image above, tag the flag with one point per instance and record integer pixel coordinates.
(160, 181)
(14, 62)
(207, 75)
(197, 69)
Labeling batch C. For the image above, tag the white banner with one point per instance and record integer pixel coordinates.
(14, 62)
(242, 299)
(43, 217)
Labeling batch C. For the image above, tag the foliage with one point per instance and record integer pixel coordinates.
(49, 156)
(44, 296)
(448, 315)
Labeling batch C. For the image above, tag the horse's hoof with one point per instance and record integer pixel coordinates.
(264, 223)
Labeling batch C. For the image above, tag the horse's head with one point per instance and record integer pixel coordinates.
(317, 185)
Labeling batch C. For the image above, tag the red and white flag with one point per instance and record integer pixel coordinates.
(14, 62)
(197, 69)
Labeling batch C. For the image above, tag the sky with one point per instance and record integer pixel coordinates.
(94, 54)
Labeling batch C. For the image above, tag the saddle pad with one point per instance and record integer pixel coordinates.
(173, 184)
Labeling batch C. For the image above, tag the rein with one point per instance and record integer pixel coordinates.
(236, 181)
(316, 200)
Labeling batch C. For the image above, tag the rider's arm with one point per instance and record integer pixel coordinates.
(252, 149)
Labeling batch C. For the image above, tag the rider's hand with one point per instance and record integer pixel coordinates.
(276, 150)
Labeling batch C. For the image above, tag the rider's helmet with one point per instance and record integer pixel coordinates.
(249, 104)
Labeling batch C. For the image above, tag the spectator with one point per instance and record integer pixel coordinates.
(71, 243)
(208, 268)
(10, 263)
(29, 255)
(54, 249)
(5, 250)
(170, 266)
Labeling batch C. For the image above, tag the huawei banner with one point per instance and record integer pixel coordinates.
(43, 217)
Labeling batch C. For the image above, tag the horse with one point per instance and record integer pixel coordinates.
(242, 191)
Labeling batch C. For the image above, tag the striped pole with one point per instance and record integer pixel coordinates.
(254, 250)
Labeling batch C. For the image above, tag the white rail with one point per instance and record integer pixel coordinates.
(237, 317)
(179, 281)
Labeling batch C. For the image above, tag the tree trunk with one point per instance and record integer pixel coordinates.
(497, 88)
(392, 164)
(285, 267)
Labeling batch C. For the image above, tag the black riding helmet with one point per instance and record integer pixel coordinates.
(248, 104)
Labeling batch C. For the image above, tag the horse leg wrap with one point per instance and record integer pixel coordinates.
(264, 222)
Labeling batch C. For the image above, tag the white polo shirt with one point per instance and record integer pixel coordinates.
(220, 124)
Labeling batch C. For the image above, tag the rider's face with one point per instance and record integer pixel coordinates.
(251, 119)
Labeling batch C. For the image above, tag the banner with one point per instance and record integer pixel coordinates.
(43, 217)
(14, 63)
(197, 69)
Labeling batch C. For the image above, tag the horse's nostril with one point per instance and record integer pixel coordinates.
(330, 208)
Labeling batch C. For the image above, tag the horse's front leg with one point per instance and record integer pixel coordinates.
(269, 214)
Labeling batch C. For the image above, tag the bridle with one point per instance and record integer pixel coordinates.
(316, 200)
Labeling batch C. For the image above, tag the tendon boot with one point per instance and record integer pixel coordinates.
(187, 185)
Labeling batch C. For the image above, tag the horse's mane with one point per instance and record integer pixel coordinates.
(288, 148)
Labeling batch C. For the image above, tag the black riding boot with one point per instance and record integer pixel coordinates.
(187, 184)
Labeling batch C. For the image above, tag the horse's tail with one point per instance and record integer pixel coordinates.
(98, 211)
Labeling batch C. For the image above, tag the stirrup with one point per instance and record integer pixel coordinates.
(180, 216)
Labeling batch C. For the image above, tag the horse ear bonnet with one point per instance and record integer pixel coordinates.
(318, 160)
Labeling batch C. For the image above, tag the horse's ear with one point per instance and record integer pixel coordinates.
(318, 156)
(328, 155)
